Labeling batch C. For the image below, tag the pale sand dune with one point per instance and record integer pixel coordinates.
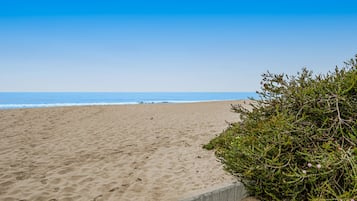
(131, 152)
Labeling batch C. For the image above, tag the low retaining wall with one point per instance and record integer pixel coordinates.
(230, 192)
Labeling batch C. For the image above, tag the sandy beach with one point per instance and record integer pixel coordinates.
(128, 152)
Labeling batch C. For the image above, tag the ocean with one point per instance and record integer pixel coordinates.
(13, 100)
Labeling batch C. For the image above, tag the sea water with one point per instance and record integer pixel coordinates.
(12, 100)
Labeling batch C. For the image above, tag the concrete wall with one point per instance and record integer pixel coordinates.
(230, 192)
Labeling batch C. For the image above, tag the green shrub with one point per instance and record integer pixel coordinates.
(299, 140)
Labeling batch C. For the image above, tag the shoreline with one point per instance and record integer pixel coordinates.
(55, 105)
(124, 152)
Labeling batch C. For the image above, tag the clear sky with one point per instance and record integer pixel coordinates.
(168, 45)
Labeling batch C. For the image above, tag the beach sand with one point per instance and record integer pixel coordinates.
(127, 152)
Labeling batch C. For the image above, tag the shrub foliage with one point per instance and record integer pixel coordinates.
(299, 140)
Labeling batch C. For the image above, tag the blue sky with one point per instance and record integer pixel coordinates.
(168, 45)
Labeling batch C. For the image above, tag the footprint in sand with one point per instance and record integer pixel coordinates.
(76, 177)
(65, 171)
(86, 180)
(114, 189)
(68, 189)
(98, 198)
(44, 181)
(21, 175)
(56, 181)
